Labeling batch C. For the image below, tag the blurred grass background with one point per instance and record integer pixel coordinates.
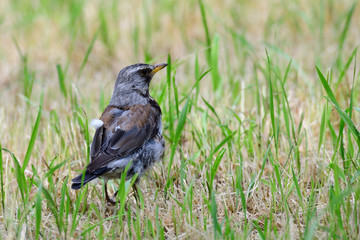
(254, 149)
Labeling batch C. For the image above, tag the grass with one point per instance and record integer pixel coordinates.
(260, 106)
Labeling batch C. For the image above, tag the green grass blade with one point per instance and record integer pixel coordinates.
(350, 145)
(52, 206)
(215, 76)
(287, 109)
(300, 123)
(327, 87)
(348, 121)
(197, 75)
(213, 211)
(286, 115)
(287, 72)
(346, 27)
(352, 89)
(170, 111)
(347, 65)
(216, 165)
(2, 181)
(196, 85)
(217, 148)
(61, 78)
(75, 213)
(261, 233)
(56, 167)
(20, 177)
(331, 98)
(207, 34)
(278, 178)
(265, 158)
(83, 233)
(33, 137)
(212, 109)
(38, 213)
(176, 94)
(271, 98)
(62, 204)
(297, 187)
(311, 223)
(179, 129)
(88, 51)
(322, 128)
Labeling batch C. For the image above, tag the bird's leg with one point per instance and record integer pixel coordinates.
(136, 194)
(108, 199)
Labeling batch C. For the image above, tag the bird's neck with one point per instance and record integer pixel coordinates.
(127, 98)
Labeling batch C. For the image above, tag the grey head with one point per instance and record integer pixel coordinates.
(132, 84)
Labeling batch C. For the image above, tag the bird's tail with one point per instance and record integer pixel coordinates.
(78, 182)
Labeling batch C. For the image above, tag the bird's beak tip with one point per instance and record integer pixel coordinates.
(158, 67)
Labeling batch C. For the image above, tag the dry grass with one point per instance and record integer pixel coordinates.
(270, 183)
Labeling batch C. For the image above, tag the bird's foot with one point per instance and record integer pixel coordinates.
(108, 199)
(113, 202)
(136, 195)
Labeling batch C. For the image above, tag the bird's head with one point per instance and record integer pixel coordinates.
(134, 80)
(137, 77)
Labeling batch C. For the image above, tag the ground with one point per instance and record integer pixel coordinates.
(260, 112)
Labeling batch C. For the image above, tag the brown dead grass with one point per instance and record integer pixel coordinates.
(47, 40)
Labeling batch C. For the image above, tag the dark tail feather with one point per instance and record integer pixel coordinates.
(78, 182)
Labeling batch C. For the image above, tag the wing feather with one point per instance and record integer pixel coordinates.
(122, 134)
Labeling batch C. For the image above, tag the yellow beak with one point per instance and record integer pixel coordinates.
(158, 67)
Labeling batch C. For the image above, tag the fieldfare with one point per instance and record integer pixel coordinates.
(128, 132)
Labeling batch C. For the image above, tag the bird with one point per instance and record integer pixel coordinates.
(129, 131)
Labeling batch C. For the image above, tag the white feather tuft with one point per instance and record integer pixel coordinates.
(96, 123)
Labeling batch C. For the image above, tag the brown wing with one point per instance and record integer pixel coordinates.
(123, 132)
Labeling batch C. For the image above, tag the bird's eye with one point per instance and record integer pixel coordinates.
(144, 72)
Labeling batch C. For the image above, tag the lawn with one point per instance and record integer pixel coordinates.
(260, 109)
